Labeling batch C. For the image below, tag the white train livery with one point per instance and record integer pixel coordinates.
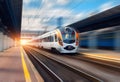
(64, 40)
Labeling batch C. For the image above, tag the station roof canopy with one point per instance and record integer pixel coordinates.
(10, 17)
(104, 19)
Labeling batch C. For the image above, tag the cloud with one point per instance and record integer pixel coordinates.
(74, 18)
(26, 1)
(32, 4)
(36, 17)
(47, 14)
(101, 8)
(63, 2)
(48, 18)
(105, 6)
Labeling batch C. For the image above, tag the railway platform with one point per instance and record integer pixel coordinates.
(16, 67)
(107, 55)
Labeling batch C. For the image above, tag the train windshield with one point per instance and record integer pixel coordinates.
(68, 36)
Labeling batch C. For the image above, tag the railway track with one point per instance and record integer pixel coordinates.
(64, 72)
(107, 64)
(100, 69)
(46, 73)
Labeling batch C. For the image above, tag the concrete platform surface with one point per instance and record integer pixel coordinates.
(15, 67)
(108, 55)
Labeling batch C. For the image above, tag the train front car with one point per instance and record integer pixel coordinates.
(69, 40)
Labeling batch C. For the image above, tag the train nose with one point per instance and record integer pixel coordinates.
(69, 47)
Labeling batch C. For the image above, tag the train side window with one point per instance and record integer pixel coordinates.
(49, 39)
(55, 38)
(45, 39)
(52, 39)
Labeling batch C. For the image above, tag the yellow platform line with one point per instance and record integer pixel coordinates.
(26, 72)
(102, 56)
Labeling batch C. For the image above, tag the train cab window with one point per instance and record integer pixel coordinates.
(68, 36)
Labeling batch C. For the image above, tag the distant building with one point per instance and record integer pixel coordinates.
(30, 34)
(59, 22)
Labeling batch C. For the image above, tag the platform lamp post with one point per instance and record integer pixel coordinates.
(5, 38)
(1, 36)
(1, 39)
(8, 39)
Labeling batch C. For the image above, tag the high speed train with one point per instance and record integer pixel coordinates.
(64, 40)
